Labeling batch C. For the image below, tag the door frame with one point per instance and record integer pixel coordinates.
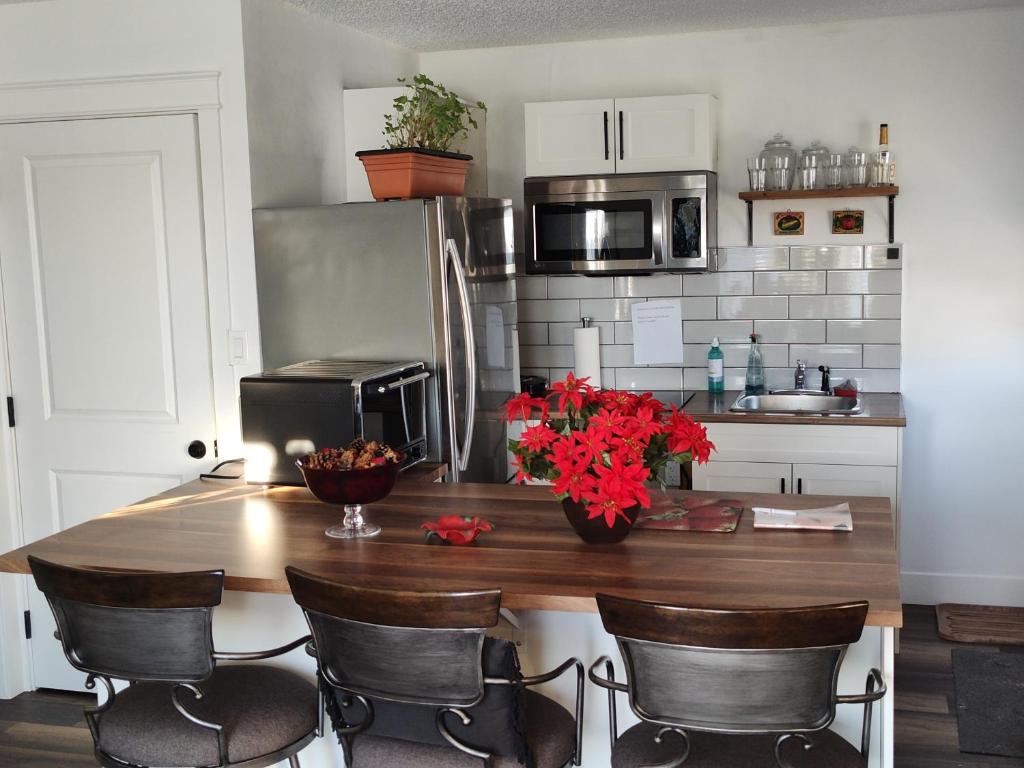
(195, 93)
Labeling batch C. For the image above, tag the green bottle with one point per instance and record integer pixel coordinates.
(716, 368)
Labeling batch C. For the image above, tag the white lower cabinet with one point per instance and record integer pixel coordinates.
(839, 480)
(748, 476)
(824, 460)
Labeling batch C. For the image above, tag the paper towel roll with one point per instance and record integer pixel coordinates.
(587, 354)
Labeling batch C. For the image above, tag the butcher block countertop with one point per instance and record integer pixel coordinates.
(881, 409)
(533, 555)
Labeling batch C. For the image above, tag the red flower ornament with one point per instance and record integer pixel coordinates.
(455, 530)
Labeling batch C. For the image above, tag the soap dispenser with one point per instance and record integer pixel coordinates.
(755, 368)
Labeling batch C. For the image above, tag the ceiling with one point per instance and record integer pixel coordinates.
(437, 25)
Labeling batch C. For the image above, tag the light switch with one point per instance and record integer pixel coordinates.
(238, 348)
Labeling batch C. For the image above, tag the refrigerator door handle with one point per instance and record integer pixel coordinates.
(452, 249)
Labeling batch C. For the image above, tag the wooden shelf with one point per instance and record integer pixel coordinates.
(801, 194)
(819, 194)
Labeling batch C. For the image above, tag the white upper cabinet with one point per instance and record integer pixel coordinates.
(570, 138)
(666, 133)
(630, 135)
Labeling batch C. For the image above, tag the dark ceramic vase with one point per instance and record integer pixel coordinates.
(596, 531)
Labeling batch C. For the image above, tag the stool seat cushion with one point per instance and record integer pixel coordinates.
(636, 747)
(263, 709)
(550, 733)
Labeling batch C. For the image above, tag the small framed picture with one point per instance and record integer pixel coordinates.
(788, 222)
(848, 222)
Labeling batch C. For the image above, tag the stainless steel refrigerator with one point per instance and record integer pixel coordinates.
(430, 280)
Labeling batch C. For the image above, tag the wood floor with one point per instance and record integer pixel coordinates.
(926, 735)
(46, 729)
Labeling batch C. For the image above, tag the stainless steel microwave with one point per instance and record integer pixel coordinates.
(601, 225)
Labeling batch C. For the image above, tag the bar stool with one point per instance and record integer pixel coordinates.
(181, 709)
(411, 681)
(733, 688)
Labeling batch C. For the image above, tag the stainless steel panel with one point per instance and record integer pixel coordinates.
(645, 182)
(482, 230)
(343, 281)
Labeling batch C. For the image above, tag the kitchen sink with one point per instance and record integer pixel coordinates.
(797, 401)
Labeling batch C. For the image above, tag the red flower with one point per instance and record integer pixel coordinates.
(592, 443)
(522, 473)
(643, 426)
(456, 529)
(573, 478)
(608, 421)
(537, 438)
(570, 391)
(687, 436)
(522, 405)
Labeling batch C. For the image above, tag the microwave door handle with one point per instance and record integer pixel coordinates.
(467, 329)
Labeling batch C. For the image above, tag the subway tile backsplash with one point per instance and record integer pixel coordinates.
(832, 305)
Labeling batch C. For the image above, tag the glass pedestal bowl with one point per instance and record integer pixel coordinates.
(352, 488)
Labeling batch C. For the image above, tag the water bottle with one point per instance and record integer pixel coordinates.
(755, 368)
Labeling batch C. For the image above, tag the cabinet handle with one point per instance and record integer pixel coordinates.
(782, 484)
(799, 485)
(606, 134)
(622, 144)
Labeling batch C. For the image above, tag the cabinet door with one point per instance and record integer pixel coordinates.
(666, 133)
(842, 480)
(566, 138)
(754, 477)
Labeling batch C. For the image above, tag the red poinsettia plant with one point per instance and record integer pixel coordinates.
(599, 447)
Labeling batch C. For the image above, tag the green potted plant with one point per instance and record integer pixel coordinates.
(417, 161)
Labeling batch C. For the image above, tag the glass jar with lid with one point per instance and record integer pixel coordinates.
(812, 166)
(780, 163)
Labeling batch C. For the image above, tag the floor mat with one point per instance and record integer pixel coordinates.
(988, 624)
(989, 701)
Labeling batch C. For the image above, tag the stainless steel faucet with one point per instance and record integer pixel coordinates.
(800, 375)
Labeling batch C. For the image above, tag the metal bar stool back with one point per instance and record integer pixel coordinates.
(692, 671)
(155, 631)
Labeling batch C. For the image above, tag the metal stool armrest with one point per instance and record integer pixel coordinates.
(257, 655)
(611, 686)
(874, 690)
(547, 677)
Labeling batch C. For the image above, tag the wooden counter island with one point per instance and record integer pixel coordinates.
(548, 576)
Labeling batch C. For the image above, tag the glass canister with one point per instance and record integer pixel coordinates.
(833, 170)
(855, 170)
(780, 163)
(812, 166)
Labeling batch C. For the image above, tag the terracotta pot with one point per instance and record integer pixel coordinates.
(401, 174)
(596, 531)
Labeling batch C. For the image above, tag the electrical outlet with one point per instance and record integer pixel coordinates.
(671, 475)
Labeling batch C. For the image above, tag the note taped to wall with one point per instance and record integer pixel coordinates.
(657, 332)
(495, 337)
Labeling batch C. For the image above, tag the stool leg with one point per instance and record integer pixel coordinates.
(293, 761)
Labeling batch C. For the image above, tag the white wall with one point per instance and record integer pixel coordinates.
(950, 86)
(69, 39)
(296, 65)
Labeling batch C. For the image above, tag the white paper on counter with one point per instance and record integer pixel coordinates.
(657, 332)
(495, 337)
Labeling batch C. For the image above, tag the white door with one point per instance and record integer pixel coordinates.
(666, 133)
(101, 257)
(566, 138)
(845, 480)
(747, 476)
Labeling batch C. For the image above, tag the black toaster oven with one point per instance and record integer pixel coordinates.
(291, 411)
